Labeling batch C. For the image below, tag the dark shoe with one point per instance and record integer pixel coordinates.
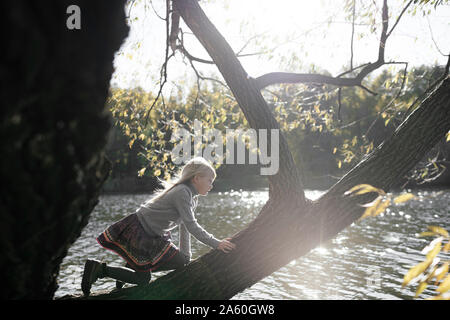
(92, 271)
(119, 284)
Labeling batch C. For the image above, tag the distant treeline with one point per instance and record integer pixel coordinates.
(328, 129)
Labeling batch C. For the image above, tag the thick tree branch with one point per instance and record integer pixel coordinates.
(287, 179)
(174, 29)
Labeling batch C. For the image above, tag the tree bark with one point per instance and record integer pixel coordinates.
(53, 131)
(289, 225)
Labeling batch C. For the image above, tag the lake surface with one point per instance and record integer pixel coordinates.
(367, 260)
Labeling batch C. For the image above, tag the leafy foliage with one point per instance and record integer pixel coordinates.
(327, 135)
(152, 129)
(432, 267)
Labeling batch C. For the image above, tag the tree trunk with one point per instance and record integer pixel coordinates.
(54, 127)
(246, 92)
(289, 225)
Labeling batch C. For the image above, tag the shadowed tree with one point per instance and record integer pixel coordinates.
(55, 81)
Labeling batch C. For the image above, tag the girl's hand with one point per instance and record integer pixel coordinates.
(226, 246)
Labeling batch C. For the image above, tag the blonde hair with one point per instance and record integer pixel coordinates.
(196, 166)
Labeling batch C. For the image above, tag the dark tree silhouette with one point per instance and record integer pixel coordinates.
(53, 131)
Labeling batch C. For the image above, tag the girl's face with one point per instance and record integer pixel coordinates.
(203, 184)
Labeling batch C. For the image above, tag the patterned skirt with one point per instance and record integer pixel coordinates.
(142, 252)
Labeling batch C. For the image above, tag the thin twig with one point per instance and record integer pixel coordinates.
(163, 78)
(353, 33)
(398, 18)
(432, 38)
(392, 100)
(339, 105)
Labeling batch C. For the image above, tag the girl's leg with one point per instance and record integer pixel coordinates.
(127, 275)
(177, 261)
(120, 284)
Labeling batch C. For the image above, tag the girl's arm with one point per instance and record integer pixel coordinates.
(185, 242)
(182, 203)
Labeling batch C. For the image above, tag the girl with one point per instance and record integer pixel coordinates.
(143, 239)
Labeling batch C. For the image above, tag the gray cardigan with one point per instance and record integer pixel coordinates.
(176, 207)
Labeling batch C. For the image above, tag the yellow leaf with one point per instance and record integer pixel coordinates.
(427, 234)
(441, 272)
(448, 137)
(339, 164)
(420, 288)
(446, 247)
(438, 230)
(334, 150)
(439, 297)
(157, 173)
(370, 210)
(403, 198)
(141, 172)
(364, 188)
(445, 285)
(434, 252)
(381, 207)
(415, 271)
(316, 108)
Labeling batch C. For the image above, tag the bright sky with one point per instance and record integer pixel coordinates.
(291, 26)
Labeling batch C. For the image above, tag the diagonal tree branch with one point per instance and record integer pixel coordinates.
(286, 77)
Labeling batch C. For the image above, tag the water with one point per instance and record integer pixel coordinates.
(367, 260)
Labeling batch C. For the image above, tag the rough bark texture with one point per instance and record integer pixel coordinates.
(53, 131)
(288, 226)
